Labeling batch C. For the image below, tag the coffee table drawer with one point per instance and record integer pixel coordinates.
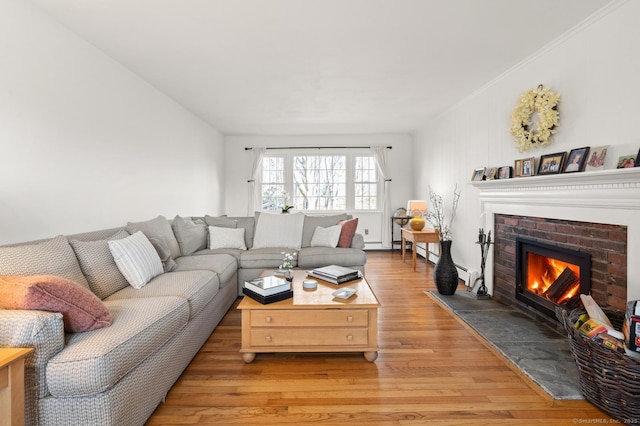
(310, 318)
(292, 337)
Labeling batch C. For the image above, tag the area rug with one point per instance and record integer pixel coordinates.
(538, 352)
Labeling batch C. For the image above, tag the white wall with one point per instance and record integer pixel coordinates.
(594, 70)
(399, 160)
(86, 144)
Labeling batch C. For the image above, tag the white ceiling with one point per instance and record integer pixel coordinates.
(319, 66)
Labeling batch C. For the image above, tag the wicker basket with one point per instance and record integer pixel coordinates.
(608, 379)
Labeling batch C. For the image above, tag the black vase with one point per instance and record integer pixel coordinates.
(445, 274)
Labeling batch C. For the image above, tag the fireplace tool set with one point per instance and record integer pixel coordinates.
(484, 240)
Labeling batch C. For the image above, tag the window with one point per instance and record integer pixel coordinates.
(366, 183)
(273, 192)
(328, 182)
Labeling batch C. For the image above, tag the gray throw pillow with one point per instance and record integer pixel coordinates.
(191, 235)
(157, 228)
(98, 265)
(168, 264)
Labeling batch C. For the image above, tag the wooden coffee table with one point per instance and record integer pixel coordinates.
(312, 321)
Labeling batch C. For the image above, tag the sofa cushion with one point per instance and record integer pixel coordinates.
(249, 225)
(157, 228)
(191, 235)
(81, 309)
(49, 257)
(220, 237)
(222, 222)
(311, 222)
(347, 232)
(278, 230)
(198, 287)
(264, 258)
(231, 252)
(98, 266)
(315, 257)
(224, 265)
(136, 259)
(95, 361)
(326, 237)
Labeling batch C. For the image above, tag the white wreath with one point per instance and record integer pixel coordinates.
(544, 102)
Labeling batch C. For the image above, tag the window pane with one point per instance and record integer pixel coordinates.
(365, 183)
(319, 182)
(272, 191)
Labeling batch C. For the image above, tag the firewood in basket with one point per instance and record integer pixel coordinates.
(564, 282)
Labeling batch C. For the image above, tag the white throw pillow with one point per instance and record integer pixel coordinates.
(231, 238)
(279, 230)
(326, 237)
(136, 259)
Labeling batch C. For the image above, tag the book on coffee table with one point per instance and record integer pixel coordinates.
(335, 274)
(266, 286)
(265, 300)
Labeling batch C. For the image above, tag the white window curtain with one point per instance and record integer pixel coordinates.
(380, 155)
(255, 179)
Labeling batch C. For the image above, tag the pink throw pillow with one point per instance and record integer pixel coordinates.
(347, 232)
(81, 309)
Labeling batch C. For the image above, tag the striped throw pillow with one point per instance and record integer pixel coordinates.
(136, 259)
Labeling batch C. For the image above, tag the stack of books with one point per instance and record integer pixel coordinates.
(268, 289)
(335, 274)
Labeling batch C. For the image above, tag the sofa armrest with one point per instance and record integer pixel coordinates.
(43, 331)
(357, 241)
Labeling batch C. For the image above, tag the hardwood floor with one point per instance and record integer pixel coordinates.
(430, 370)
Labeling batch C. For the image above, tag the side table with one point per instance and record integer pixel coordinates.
(12, 385)
(415, 237)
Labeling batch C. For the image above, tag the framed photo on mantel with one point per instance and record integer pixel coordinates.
(551, 164)
(576, 160)
(478, 175)
(596, 158)
(505, 172)
(524, 167)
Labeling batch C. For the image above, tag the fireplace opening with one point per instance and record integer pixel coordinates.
(548, 275)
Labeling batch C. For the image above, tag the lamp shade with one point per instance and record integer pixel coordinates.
(416, 209)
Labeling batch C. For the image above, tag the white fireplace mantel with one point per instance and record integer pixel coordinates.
(609, 196)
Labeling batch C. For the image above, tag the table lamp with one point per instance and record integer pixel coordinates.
(416, 209)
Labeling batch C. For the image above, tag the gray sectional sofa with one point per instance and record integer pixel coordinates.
(118, 374)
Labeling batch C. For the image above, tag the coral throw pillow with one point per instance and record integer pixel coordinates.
(81, 309)
(347, 232)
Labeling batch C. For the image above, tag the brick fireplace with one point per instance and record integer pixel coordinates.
(595, 212)
(605, 243)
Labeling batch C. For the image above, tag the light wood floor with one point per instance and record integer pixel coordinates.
(430, 370)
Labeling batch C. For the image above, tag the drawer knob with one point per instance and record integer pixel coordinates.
(268, 339)
(349, 318)
(349, 338)
(268, 319)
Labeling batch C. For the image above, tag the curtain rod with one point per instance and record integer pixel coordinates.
(316, 147)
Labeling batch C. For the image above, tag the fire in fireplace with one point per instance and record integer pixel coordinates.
(548, 275)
